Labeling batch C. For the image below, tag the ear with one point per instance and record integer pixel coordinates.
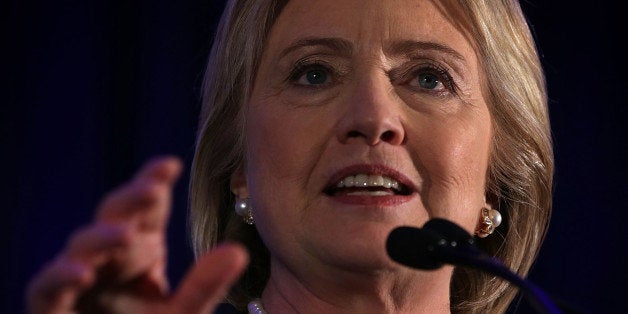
(491, 200)
(238, 183)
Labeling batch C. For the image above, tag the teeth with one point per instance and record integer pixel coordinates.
(348, 181)
(387, 183)
(371, 193)
(361, 180)
(365, 180)
(376, 180)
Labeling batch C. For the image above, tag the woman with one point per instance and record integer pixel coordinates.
(326, 125)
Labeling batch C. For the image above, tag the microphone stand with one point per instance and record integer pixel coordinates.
(442, 241)
(468, 255)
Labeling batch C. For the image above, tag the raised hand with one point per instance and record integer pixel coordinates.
(117, 264)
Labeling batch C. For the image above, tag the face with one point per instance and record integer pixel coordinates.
(364, 116)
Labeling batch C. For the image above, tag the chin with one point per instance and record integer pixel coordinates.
(360, 248)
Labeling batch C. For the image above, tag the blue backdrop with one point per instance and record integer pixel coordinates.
(93, 88)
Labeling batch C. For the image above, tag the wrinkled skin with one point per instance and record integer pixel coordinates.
(361, 87)
(344, 87)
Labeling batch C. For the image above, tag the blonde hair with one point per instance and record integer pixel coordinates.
(520, 170)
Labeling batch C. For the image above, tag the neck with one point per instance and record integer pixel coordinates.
(398, 290)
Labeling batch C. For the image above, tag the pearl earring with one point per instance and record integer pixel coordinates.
(489, 220)
(242, 208)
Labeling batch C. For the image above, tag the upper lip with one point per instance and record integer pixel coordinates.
(371, 169)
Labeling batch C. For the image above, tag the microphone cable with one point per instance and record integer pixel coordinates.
(441, 241)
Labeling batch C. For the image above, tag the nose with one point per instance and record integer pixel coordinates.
(372, 114)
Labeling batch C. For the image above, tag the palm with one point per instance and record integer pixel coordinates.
(117, 264)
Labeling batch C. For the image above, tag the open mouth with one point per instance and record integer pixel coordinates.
(367, 185)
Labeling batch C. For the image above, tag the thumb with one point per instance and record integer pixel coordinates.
(209, 280)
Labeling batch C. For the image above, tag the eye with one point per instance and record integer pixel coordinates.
(428, 81)
(312, 74)
(432, 79)
(313, 77)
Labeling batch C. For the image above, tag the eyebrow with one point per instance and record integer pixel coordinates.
(344, 47)
(407, 47)
(339, 45)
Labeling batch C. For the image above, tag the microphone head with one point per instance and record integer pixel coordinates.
(449, 230)
(439, 242)
(413, 247)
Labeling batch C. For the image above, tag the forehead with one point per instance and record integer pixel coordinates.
(366, 23)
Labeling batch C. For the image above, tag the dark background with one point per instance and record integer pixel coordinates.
(91, 89)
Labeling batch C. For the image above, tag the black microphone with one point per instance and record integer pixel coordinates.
(441, 241)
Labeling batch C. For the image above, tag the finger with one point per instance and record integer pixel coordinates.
(56, 287)
(208, 282)
(143, 254)
(95, 244)
(164, 169)
(125, 252)
(125, 201)
(149, 194)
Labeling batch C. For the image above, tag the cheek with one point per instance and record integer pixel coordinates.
(460, 158)
(283, 143)
(454, 156)
(284, 146)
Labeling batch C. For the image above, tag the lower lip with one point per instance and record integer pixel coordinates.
(381, 200)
